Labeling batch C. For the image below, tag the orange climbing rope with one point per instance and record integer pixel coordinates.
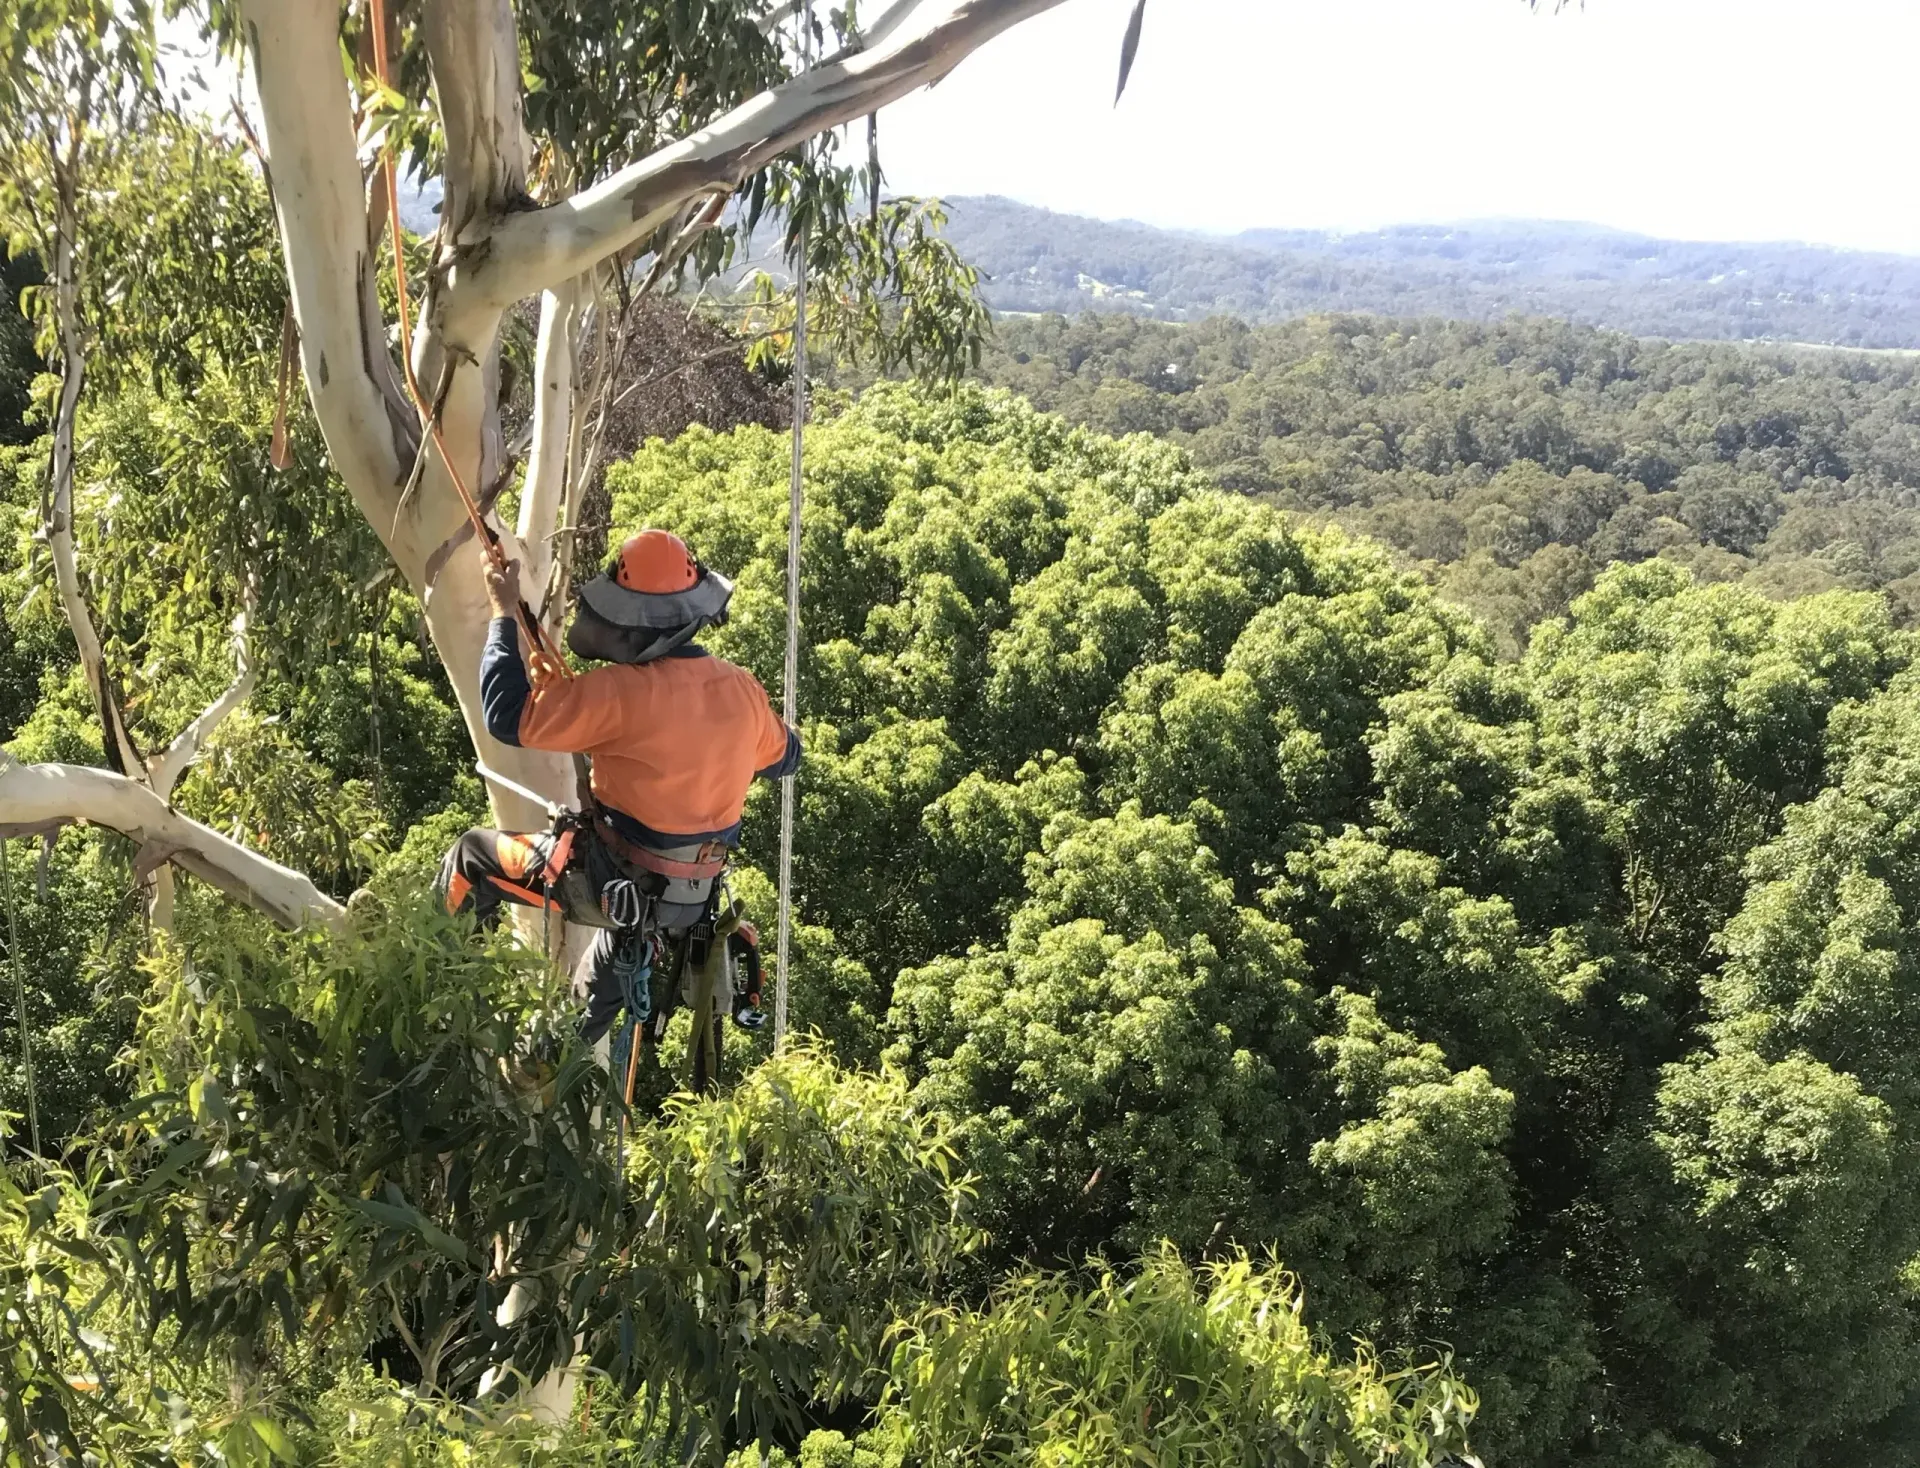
(544, 659)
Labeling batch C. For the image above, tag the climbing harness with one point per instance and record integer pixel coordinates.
(544, 659)
(581, 870)
(20, 994)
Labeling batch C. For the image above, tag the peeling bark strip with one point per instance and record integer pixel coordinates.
(43, 797)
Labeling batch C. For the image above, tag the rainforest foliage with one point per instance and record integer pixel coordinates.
(1219, 949)
(1513, 462)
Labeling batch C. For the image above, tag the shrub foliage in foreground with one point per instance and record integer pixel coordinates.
(332, 1159)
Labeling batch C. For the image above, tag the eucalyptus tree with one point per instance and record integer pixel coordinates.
(82, 84)
(585, 153)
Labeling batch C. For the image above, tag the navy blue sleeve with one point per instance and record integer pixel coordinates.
(787, 763)
(504, 688)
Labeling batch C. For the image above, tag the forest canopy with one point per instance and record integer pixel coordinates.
(1513, 462)
(1250, 1006)
(1201, 881)
(1231, 890)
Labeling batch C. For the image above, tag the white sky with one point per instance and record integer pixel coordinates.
(1691, 119)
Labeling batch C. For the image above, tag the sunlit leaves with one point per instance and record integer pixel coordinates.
(890, 293)
(1162, 1364)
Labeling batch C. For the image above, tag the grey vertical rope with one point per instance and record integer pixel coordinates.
(20, 993)
(790, 691)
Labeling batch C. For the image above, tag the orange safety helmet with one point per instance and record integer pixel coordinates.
(655, 561)
(653, 597)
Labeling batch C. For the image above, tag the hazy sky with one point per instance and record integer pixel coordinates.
(1697, 119)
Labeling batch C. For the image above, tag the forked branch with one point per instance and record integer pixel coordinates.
(36, 799)
(166, 771)
(916, 43)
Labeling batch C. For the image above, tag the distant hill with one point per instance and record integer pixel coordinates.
(1039, 261)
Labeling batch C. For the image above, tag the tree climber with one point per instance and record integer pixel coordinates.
(676, 736)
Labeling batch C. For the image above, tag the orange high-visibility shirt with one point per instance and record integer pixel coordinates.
(675, 742)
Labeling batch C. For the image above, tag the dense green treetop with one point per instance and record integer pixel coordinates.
(1233, 889)
(1514, 461)
(1180, 874)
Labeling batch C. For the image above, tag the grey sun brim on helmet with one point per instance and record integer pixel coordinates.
(659, 610)
(616, 625)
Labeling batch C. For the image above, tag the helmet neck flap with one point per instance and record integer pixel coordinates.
(616, 625)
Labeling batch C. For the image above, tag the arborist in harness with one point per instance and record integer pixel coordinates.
(676, 738)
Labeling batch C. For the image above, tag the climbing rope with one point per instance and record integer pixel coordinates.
(636, 998)
(20, 994)
(790, 691)
(543, 656)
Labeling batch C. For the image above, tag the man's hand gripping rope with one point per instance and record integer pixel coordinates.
(503, 596)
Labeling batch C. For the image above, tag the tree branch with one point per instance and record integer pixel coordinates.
(546, 480)
(917, 42)
(169, 767)
(471, 49)
(58, 521)
(40, 798)
(889, 22)
(372, 433)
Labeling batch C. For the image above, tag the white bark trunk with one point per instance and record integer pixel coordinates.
(117, 743)
(38, 798)
(371, 434)
(494, 252)
(544, 488)
(500, 254)
(473, 51)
